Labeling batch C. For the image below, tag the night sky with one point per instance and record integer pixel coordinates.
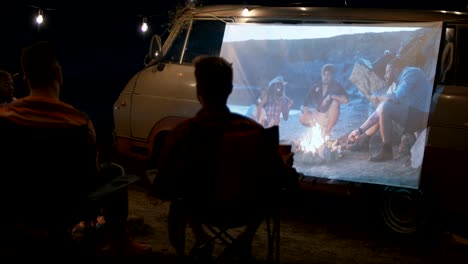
(101, 46)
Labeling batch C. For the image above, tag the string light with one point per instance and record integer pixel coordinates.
(39, 17)
(144, 25)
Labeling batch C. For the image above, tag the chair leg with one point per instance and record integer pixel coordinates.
(276, 227)
(273, 238)
(269, 240)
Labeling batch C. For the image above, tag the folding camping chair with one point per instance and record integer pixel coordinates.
(45, 184)
(246, 190)
(222, 232)
(47, 187)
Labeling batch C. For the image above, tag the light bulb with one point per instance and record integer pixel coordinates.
(39, 19)
(144, 27)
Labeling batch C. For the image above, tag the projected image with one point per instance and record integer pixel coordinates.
(352, 100)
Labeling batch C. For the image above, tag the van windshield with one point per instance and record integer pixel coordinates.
(204, 38)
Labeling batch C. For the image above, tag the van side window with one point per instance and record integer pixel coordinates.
(206, 37)
(461, 60)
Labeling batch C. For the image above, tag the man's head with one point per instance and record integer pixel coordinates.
(328, 71)
(214, 79)
(40, 65)
(6, 84)
(393, 70)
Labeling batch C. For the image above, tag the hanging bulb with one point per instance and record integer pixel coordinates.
(144, 25)
(39, 18)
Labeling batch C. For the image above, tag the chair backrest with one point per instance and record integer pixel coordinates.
(245, 166)
(245, 172)
(45, 174)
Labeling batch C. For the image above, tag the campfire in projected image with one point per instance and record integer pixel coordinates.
(314, 148)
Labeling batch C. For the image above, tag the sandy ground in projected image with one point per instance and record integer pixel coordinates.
(352, 166)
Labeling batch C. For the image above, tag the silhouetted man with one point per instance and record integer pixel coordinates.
(49, 159)
(220, 164)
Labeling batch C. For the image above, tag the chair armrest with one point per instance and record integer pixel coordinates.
(113, 186)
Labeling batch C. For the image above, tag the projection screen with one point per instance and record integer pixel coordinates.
(319, 83)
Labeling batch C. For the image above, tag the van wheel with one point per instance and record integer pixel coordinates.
(402, 209)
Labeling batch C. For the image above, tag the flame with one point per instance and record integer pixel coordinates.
(312, 139)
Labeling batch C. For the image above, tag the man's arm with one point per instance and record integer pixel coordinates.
(382, 98)
(341, 98)
(372, 120)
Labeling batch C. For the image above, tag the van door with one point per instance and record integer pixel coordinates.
(168, 89)
(122, 109)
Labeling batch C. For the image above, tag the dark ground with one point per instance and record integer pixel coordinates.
(316, 227)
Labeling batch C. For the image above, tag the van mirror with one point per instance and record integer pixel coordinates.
(155, 48)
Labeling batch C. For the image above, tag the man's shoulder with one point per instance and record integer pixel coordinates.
(238, 119)
(201, 128)
(412, 70)
(415, 73)
(224, 121)
(31, 111)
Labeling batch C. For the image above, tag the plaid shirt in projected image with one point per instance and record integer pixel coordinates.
(274, 107)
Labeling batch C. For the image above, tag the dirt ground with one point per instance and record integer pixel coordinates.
(315, 227)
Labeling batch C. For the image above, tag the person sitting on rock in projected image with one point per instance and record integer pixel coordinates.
(322, 102)
(407, 106)
(275, 102)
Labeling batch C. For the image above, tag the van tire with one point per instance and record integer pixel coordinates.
(402, 210)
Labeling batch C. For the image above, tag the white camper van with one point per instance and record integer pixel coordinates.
(293, 43)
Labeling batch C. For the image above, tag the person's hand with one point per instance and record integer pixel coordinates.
(353, 135)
